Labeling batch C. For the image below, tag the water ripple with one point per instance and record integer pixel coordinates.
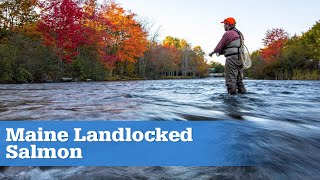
(277, 123)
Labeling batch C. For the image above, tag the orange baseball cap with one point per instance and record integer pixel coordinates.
(230, 21)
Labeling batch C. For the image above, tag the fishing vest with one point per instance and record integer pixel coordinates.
(234, 47)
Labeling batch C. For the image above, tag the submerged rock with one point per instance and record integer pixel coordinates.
(128, 96)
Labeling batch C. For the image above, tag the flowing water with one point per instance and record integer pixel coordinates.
(277, 122)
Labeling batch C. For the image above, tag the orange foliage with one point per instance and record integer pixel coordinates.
(33, 2)
(128, 39)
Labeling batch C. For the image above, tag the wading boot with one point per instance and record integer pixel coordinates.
(232, 90)
(242, 90)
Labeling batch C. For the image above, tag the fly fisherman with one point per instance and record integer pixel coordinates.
(229, 46)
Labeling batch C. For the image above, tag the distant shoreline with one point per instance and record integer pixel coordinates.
(125, 79)
(113, 79)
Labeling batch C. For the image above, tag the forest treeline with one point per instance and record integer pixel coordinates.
(288, 58)
(44, 41)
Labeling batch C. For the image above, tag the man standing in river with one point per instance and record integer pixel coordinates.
(229, 46)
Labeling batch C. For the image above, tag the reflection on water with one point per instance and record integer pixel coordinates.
(277, 122)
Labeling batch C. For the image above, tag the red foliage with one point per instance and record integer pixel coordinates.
(275, 35)
(274, 42)
(61, 27)
(116, 35)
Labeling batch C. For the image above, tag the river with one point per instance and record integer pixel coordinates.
(277, 122)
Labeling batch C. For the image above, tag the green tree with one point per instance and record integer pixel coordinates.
(218, 67)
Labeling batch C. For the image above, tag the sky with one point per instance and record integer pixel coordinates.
(199, 21)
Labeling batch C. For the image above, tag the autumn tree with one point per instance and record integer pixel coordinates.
(185, 50)
(163, 61)
(171, 41)
(128, 41)
(153, 34)
(17, 16)
(97, 28)
(274, 42)
(62, 28)
(17, 13)
(176, 57)
(198, 63)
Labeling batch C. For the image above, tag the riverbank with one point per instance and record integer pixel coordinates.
(112, 79)
(126, 78)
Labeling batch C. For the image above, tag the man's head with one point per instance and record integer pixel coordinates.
(229, 23)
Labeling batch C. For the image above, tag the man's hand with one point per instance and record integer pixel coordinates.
(210, 54)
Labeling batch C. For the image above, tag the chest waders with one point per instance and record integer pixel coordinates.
(234, 66)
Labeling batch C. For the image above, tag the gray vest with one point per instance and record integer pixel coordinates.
(232, 48)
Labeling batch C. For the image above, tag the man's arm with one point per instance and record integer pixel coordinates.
(226, 38)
